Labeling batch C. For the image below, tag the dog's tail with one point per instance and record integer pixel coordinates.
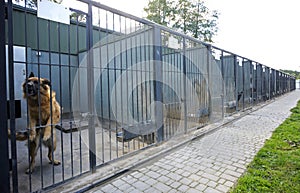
(20, 136)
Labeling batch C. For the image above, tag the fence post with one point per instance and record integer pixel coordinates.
(251, 82)
(184, 85)
(4, 163)
(11, 78)
(243, 80)
(256, 74)
(261, 82)
(275, 83)
(236, 82)
(158, 86)
(269, 82)
(209, 82)
(223, 83)
(90, 82)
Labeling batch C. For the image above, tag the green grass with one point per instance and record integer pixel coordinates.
(276, 167)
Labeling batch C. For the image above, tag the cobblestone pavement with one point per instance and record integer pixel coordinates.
(212, 163)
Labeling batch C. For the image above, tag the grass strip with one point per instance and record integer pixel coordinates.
(276, 167)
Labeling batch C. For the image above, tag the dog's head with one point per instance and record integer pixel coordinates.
(33, 85)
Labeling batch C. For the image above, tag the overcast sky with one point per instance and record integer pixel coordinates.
(267, 31)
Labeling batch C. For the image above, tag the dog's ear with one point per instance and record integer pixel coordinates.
(46, 81)
(31, 75)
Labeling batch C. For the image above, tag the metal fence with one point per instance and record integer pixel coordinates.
(123, 84)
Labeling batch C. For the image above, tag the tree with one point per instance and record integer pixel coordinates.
(190, 17)
(183, 17)
(159, 11)
(294, 73)
(203, 22)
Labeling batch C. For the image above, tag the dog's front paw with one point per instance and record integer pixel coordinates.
(55, 162)
(32, 137)
(46, 136)
(29, 171)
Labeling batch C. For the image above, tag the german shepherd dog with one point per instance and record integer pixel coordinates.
(42, 118)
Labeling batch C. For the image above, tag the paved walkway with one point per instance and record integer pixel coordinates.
(212, 163)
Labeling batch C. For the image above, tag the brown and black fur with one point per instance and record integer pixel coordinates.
(39, 97)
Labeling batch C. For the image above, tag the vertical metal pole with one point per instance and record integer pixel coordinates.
(12, 96)
(236, 82)
(251, 82)
(61, 102)
(184, 85)
(90, 86)
(26, 72)
(4, 160)
(256, 75)
(275, 82)
(209, 81)
(269, 82)
(223, 83)
(108, 70)
(243, 80)
(288, 83)
(261, 81)
(158, 97)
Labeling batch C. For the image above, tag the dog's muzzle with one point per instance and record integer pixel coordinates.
(31, 89)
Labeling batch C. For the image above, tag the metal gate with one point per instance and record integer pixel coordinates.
(123, 84)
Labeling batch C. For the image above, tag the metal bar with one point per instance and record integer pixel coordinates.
(121, 83)
(108, 86)
(61, 103)
(178, 82)
(131, 73)
(115, 88)
(128, 73)
(269, 82)
(90, 87)
(50, 78)
(223, 82)
(252, 82)
(136, 85)
(142, 78)
(78, 82)
(136, 75)
(243, 81)
(256, 78)
(70, 100)
(150, 74)
(4, 159)
(158, 98)
(26, 73)
(209, 81)
(276, 83)
(174, 95)
(184, 84)
(261, 82)
(236, 82)
(101, 93)
(39, 104)
(12, 121)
